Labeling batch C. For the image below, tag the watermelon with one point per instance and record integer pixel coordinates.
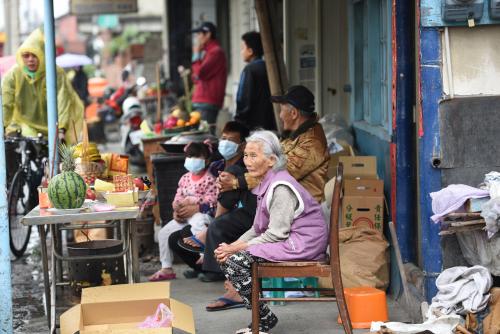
(67, 191)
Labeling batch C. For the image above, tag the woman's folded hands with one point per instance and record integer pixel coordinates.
(224, 251)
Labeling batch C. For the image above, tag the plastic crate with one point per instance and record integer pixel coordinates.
(289, 282)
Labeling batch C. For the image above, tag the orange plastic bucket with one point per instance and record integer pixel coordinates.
(365, 304)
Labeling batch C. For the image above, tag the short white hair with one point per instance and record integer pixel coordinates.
(270, 146)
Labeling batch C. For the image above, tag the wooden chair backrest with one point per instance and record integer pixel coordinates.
(334, 215)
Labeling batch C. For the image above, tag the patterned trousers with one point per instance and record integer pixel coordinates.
(238, 270)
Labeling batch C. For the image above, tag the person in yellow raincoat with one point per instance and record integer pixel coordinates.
(24, 95)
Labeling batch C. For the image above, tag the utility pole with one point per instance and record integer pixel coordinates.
(165, 39)
(273, 53)
(5, 269)
(11, 13)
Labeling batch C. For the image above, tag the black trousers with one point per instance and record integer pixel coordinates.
(188, 257)
(226, 228)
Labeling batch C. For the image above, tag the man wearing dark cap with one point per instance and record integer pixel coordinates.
(303, 142)
(209, 68)
(305, 146)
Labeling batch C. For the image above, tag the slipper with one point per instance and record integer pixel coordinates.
(248, 331)
(228, 305)
(190, 248)
(189, 274)
(209, 277)
(161, 276)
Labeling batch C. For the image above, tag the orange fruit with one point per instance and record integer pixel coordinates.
(181, 122)
(195, 115)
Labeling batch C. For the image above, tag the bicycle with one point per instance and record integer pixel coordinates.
(28, 156)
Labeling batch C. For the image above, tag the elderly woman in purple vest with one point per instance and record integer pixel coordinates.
(288, 225)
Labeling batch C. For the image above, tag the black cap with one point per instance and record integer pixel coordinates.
(206, 27)
(298, 96)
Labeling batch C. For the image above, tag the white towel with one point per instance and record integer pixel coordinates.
(462, 290)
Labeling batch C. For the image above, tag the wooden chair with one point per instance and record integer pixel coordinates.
(307, 269)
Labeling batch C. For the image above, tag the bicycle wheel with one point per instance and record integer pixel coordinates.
(20, 201)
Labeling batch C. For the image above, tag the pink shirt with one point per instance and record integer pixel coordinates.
(196, 189)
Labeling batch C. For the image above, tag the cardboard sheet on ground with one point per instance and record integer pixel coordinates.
(119, 309)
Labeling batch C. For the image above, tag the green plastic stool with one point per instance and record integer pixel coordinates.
(292, 282)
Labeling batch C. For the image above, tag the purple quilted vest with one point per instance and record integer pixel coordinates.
(308, 236)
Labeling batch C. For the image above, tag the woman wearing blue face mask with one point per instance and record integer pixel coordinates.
(197, 189)
(228, 149)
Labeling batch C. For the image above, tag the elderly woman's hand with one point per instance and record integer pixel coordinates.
(224, 251)
(226, 181)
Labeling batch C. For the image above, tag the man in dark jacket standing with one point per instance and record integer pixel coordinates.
(209, 68)
(253, 100)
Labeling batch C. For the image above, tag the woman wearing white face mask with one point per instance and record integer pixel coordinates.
(196, 190)
(228, 149)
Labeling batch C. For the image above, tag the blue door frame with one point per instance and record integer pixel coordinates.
(430, 93)
(402, 151)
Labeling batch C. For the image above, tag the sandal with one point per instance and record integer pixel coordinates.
(228, 305)
(199, 249)
(161, 276)
(190, 273)
(248, 330)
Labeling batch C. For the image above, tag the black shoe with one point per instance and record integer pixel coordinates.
(190, 273)
(208, 277)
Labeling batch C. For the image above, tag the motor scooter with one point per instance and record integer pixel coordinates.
(130, 130)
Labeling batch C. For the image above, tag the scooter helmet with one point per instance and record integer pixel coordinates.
(130, 104)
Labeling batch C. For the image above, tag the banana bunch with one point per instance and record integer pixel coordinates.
(92, 153)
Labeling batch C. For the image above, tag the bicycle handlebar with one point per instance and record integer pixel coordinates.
(38, 140)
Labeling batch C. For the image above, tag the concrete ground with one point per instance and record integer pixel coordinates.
(311, 318)
(294, 318)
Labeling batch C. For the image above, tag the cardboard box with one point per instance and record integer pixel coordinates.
(119, 309)
(360, 167)
(363, 203)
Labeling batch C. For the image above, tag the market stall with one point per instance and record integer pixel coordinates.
(95, 201)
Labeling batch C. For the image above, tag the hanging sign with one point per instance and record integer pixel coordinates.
(92, 7)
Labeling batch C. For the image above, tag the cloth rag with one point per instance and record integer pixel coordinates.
(491, 215)
(461, 290)
(442, 325)
(452, 198)
(491, 177)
